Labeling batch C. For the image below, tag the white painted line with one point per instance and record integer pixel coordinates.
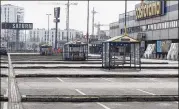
(145, 92)
(5, 105)
(176, 102)
(107, 79)
(6, 94)
(60, 79)
(105, 107)
(153, 79)
(80, 92)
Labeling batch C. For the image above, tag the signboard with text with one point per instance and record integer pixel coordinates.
(20, 26)
(150, 10)
(57, 12)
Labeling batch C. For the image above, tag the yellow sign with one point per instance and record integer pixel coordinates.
(149, 10)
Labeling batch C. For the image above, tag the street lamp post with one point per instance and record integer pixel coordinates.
(48, 25)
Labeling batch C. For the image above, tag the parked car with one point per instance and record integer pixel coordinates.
(3, 51)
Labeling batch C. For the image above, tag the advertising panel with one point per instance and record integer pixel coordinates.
(57, 12)
(163, 46)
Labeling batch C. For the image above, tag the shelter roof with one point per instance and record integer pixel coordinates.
(75, 42)
(123, 38)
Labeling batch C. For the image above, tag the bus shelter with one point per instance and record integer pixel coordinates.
(121, 51)
(75, 50)
(46, 50)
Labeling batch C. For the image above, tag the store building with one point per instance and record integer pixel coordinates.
(156, 21)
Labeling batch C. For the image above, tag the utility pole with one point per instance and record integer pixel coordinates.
(48, 26)
(87, 35)
(67, 21)
(93, 12)
(125, 17)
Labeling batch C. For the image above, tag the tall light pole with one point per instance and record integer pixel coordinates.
(93, 12)
(48, 25)
(87, 35)
(67, 22)
(125, 17)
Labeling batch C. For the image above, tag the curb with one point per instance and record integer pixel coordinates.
(3, 67)
(96, 67)
(97, 98)
(3, 75)
(100, 75)
(3, 98)
(78, 62)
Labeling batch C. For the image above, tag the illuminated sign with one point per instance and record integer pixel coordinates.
(150, 10)
(20, 26)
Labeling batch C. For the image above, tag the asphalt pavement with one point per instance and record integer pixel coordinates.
(98, 86)
(102, 105)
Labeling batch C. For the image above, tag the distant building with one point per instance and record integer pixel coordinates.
(10, 14)
(40, 36)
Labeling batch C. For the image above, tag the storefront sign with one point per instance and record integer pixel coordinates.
(150, 10)
(20, 26)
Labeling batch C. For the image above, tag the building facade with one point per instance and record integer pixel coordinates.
(156, 20)
(11, 14)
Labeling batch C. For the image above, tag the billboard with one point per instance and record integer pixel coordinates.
(163, 46)
(20, 26)
(57, 12)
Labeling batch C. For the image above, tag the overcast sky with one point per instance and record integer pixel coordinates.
(108, 12)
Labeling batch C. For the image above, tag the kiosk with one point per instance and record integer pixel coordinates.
(120, 52)
(46, 50)
(75, 51)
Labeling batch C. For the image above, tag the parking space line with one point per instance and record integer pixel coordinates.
(80, 92)
(6, 94)
(105, 107)
(145, 92)
(107, 79)
(153, 79)
(102, 105)
(60, 80)
(176, 102)
(5, 105)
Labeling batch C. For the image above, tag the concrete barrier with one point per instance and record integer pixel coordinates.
(3, 75)
(97, 67)
(98, 98)
(98, 75)
(3, 98)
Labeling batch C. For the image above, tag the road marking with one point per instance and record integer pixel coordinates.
(80, 92)
(5, 105)
(107, 79)
(153, 79)
(60, 79)
(176, 102)
(145, 92)
(105, 107)
(6, 94)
